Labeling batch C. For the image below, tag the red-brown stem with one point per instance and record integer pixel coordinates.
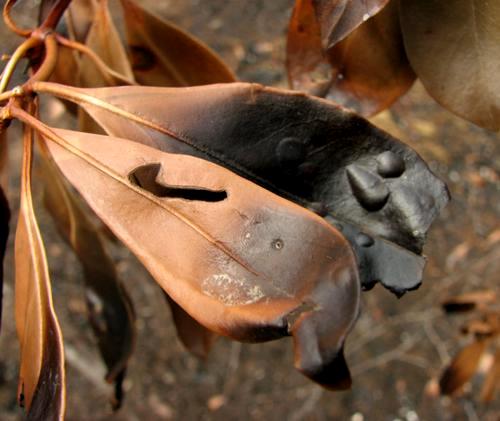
(18, 55)
(55, 14)
(50, 60)
(10, 23)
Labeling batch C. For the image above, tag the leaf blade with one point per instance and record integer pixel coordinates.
(42, 373)
(458, 76)
(231, 291)
(109, 306)
(179, 59)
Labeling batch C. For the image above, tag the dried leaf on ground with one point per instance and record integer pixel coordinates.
(41, 379)
(164, 55)
(109, 306)
(469, 301)
(453, 48)
(367, 71)
(492, 381)
(338, 18)
(462, 367)
(222, 274)
(298, 146)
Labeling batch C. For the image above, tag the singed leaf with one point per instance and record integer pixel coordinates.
(194, 336)
(367, 71)
(374, 187)
(492, 381)
(4, 235)
(41, 379)
(109, 306)
(338, 18)
(462, 367)
(164, 55)
(4, 206)
(241, 261)
(453, 48)
(104, 40)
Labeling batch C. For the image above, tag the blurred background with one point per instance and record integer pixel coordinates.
(398, 348)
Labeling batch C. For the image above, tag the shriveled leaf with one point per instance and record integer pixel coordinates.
(492, 381)
(4, 235)
(453, 48)
(367, 71)
(462, 367)
(4, 207)
(164, 55)
(338, 18)
(109, 306)
(298, 146)
(79, 17)
(104, 40)
(241, 261)
(41, 379)
(469, 301)
(195, 337)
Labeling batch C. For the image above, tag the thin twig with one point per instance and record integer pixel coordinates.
(18, 55)
(10, 23)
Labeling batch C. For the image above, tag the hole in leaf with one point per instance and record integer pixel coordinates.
(145, 178)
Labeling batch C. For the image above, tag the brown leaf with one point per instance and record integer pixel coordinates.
(453, 48)
(367, 71)
(79, 18)
(469, 301)
(109, 306)
(164, 55)
(41, 381)
(492, 381)
(4, 235)
(241, 261)
(104, 40)
(195, 337)
(462, 367)
(338, 18)
(298, 146)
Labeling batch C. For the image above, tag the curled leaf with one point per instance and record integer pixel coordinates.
(338, 18)
(109, 306)
(245, 263)
(4, 235)
(164, 55)
(300, 147)
(367, 71)
(462, 367)
(41, 378)
(195, 337)
(453, 48)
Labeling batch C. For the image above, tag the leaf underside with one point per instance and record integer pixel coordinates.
(41, 379)
(453, 48)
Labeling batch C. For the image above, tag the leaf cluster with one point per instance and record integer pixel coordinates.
(260, 212)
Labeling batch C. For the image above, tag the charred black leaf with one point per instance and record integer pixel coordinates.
(298, 146)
